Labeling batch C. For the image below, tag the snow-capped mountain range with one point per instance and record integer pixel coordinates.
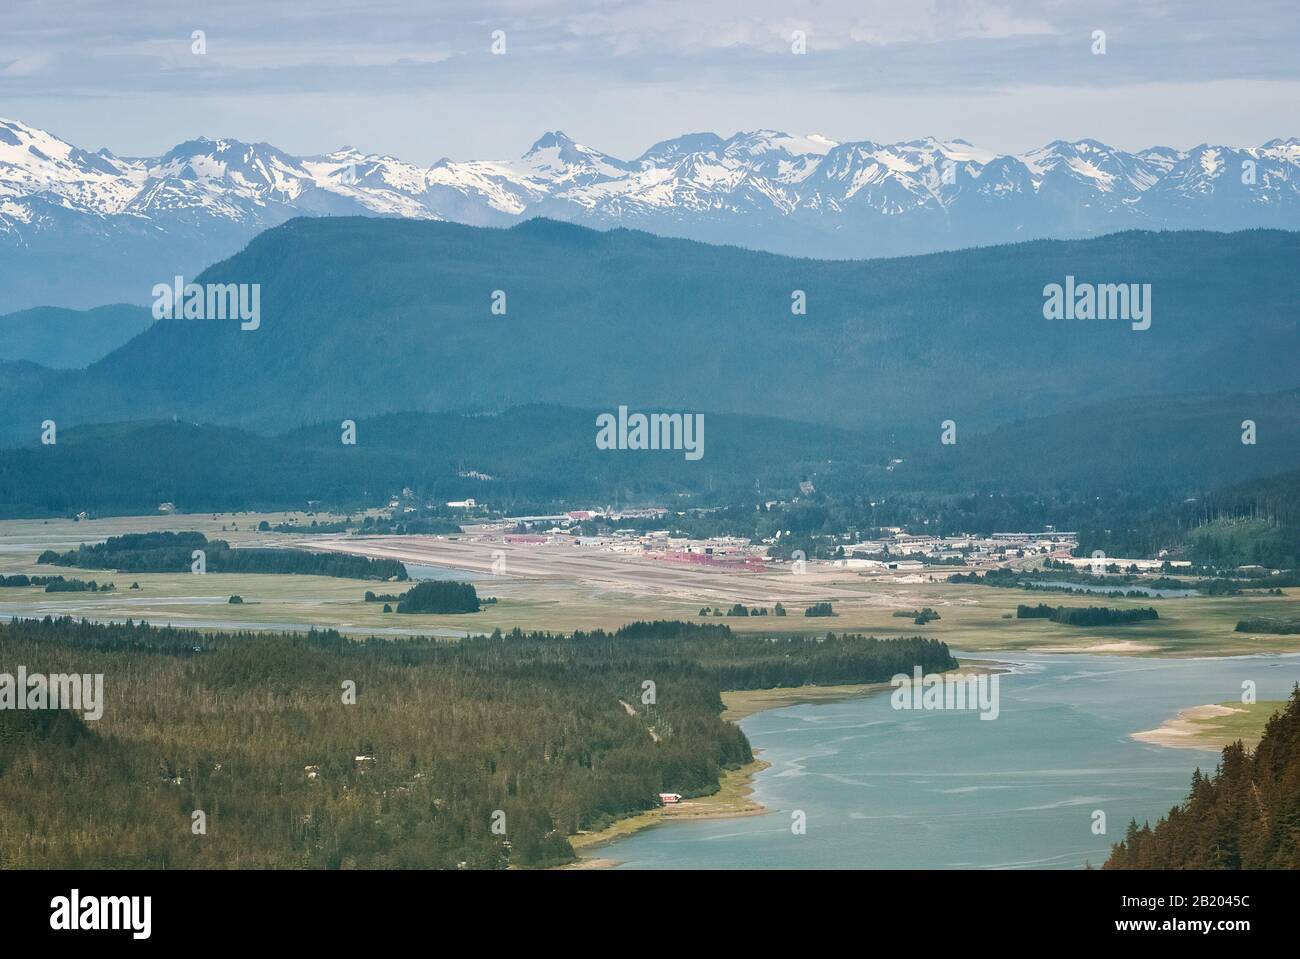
(80, 228)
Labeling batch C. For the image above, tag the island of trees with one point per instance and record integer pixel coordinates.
(1086, 615)
(918, 616)
(439, 596)
(168, 552)
(1263, 624)
(57, 584)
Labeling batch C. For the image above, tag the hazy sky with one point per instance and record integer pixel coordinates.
(418, 80)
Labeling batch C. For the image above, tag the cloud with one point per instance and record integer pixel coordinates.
(336, 70)
(675, 26)
(26, 66)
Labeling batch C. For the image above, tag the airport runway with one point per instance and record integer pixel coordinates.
(592, 565)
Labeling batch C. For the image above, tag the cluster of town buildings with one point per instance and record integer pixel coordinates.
(902, 550)
(896, 550)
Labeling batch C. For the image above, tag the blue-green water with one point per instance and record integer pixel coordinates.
(890, 789)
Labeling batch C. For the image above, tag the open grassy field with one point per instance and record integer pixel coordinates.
(740, 703)
(560, 589)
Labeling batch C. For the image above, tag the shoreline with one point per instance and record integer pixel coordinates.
(736, 786)
(731, 801)
(1212, 726)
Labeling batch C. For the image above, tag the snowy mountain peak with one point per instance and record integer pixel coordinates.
(553, 140)
(761, 142)
(803, 194)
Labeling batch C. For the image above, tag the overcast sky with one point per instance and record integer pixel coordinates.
(418, 80)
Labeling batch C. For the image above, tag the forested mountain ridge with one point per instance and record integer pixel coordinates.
(364, 316)
(534, 453)
(1136, 474)
(69, 339)
(1131, 442)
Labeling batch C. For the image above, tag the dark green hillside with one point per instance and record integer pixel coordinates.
(1134, 482)
(1256, 522)
(134, 467)
(1143, 442)
(1245, 816)
(528, 454)
(364, 316)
